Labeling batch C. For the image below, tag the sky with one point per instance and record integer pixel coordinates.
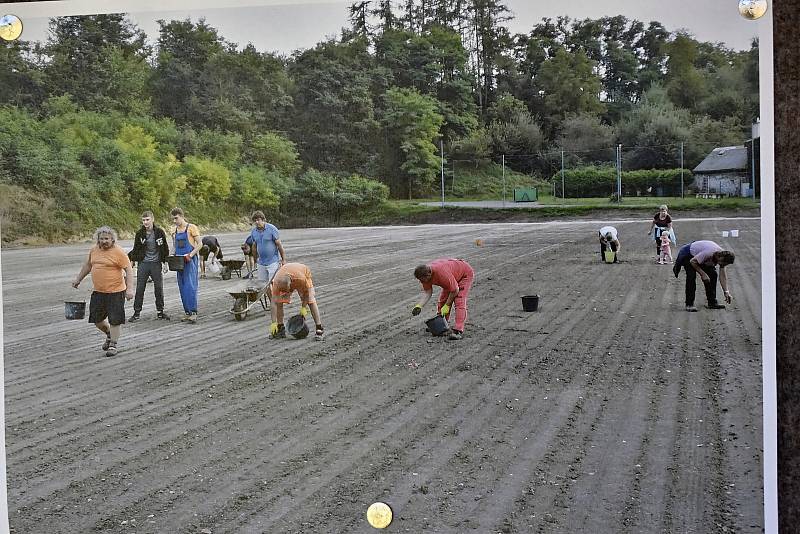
(297, 25)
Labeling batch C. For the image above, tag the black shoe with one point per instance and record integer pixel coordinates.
(162, 315)
(715, 306)
(133, 318)
(455, 335)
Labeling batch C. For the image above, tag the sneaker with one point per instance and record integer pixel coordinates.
(107, 343)
(192, 318)
(186, 317)
(319, 335)
(162, 315)
(715, 306)
(280, 334)
(691, 308)
(133, 318)
(455, 335)
(112, 349)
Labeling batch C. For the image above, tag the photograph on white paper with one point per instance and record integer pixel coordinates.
(423, 265)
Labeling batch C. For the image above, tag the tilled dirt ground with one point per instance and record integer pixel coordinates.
(611, 409)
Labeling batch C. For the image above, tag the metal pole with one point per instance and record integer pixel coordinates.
(453, 180)
(441, 148)
(753, 165)
(504, 180)
(563, 191)
(619, 173)
(681, 169)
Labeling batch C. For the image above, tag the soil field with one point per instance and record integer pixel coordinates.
(609, 410)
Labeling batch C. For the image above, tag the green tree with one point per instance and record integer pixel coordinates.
(252, 189)
(100, 60)
(654, 131)
(206, 181)
(273, 152)
(334, 124)
(569, 86)
(411, 123)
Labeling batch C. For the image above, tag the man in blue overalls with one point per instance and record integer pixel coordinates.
(270, 250)
(187, 244)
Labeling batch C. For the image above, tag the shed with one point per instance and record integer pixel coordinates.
(725, 171)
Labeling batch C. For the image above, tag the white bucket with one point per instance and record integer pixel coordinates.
(724, 233)
(734, 233)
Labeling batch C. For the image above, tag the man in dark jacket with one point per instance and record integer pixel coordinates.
(150, 251)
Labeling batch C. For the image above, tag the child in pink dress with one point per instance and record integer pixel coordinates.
(666, 249)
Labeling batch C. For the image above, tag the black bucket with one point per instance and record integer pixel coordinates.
(530, 303)
(74, 310)
(297, 327)
(437, 325)
(175, 263)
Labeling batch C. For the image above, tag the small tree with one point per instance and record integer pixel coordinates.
(412, 123)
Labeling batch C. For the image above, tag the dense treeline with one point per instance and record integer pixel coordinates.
(98, 122)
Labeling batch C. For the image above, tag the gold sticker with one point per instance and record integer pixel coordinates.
(752, 9)
(10, 27)
(379, 515)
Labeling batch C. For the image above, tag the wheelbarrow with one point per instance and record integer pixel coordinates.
(229, 267)
(246, 296)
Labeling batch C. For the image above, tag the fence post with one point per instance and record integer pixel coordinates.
(563, 190)
(619, 173)
(504, 180)
(681, 169)
(441, 149)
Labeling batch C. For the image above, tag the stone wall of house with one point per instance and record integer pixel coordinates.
(728, 184)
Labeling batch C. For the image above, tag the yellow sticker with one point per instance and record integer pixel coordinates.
(379, 515)
(10, 27)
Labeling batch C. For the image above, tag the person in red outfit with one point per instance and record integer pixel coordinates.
(455, 277)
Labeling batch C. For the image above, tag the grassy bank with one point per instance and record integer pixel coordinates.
(29, 218)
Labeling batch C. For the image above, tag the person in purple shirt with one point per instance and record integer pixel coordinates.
(702, 257)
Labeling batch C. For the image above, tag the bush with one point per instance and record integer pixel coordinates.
(337, 197)
(602, 181)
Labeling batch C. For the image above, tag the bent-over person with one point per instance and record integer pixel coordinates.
(289, 278)
(702, 257)
(609, 238)
(455, 277)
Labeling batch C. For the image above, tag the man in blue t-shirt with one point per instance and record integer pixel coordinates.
(270, 250)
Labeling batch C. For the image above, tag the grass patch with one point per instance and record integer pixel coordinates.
(654, 202)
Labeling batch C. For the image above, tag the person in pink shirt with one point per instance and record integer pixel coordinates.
(455, 277)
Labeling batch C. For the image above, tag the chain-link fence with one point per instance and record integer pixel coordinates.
(613, 172)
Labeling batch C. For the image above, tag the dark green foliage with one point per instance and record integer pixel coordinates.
(319, 194)
(99, 125)
(602, 182)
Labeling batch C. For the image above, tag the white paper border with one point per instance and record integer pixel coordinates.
(768, 317)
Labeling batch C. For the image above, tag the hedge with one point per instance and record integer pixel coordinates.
(594, 181)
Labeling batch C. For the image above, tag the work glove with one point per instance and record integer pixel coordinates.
(303, 311)
(187, 258)
(445, 309)
(416, 310)
(273, 329)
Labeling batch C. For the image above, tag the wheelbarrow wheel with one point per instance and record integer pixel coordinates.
(240, 308)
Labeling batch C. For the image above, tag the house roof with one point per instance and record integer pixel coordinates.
(721, 159)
